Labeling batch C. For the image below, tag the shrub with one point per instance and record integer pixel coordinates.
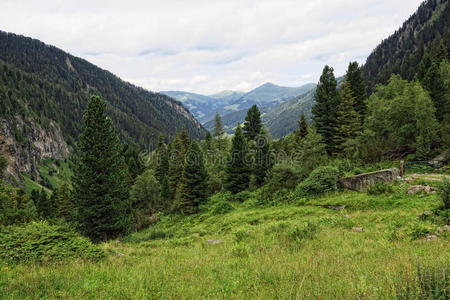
(40, 241)
(427, 283)
(417, 230)
(302, 232)
(284, 177)
(445, 192)
(222, 207)
(380, 188)
(321, 180)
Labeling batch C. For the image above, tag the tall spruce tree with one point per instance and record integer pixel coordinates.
(252, 125)
(357, 87)
(64, 203)
(218, 127)
(179, 147)
(348, 119)
(193, 189)
(101, 191)
(238, 171)
(263, 160)
(162, 159)
(302, 129)
(325, 110)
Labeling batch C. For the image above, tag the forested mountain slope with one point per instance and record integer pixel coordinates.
(45, 90)
(402, 52)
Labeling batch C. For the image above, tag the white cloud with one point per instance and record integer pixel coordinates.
(207, 46)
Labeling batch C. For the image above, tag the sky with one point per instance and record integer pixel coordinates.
(206, 46)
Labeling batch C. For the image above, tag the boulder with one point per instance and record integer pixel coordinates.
(420, 188)
(213, 242)
(362, 182)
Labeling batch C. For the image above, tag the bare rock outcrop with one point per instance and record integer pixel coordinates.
(363, 181)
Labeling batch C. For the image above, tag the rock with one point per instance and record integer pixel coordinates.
(431, 237)
(444, 229)
(359, 229)
(119, 254)
(363, 181)
(214, 242)
(425, 215)
(420, 188)
(338, 208)
(347, 216)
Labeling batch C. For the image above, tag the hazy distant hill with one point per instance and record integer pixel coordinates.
(280, 119)
(205, 107)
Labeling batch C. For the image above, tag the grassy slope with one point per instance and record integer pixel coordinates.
(292, 251)
(53, 170)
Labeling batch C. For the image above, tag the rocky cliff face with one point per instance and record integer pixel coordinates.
(24, 155)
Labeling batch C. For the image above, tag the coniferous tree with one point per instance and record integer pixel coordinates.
(252, 125)
(177, 158)
(134, 164)
(193, 189)
(238, 171)
(348, 119)
(302, 129)
(101, 191)
(434, 84)
(64, 203)
(218, 127)
(357, 87)
(162, 160)
(263, 160)
(325, 110)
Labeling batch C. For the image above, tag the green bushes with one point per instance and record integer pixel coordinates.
(222, 207)
(321, 180)
(428, 283)
(380, 188)
(41, 242)
(445, 192)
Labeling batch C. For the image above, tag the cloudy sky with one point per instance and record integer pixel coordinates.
(206, 46)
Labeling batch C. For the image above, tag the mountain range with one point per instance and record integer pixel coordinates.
(229, 102)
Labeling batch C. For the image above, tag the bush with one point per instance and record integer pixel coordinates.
(41, 242)
(380, 188)
(428, 283)
(221, 208)
(445, 192)
(321, 180)
(284, 177)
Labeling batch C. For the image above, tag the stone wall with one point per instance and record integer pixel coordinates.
(363, 181)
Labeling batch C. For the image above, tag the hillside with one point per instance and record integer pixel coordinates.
(402, 51)
(45, 90)
(373, 249)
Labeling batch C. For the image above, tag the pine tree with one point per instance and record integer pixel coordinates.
(434, 84)
(177, 158)
(134, 164)
(218, 127)
(439, 51)
(193, 189)
(237, 170)
(252, 125)
(162, 160)
(64, 203)
(357, 87)
(302, 129)
(348, 119)
(263, 160)
(325, 110)
(101, 191)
